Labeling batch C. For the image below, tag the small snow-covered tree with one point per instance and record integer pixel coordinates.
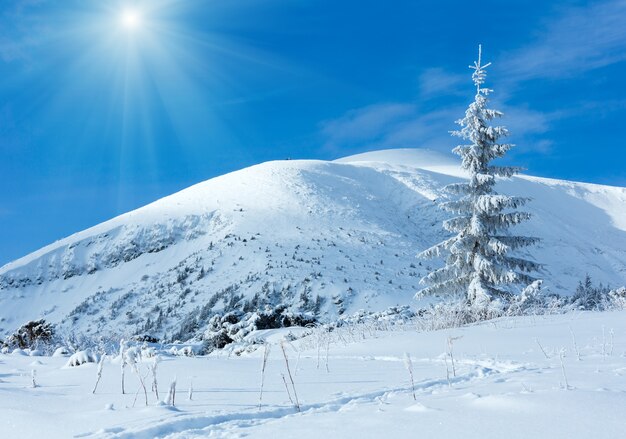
(478, 262)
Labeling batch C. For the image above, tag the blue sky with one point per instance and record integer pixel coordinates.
(97, 119)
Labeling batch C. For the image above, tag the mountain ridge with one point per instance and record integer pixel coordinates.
(343, 234)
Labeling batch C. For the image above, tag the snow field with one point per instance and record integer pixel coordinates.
(544, 376)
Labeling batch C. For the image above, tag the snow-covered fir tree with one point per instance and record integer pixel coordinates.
(478, 262)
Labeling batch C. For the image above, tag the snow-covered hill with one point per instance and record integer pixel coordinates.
(327, 237)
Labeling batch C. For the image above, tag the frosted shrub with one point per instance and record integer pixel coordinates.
(591, 297)
(171, 395)
(31, 335)
(99, 373)
(61, 352)
(449, 314)
(294, 400)
(148, 352)
(266, 354)
(184, 351)
(530, 301)
(133, 355)
(122, 356)
(234, 326)
(133, 358)
(617, 298)
(153, 370)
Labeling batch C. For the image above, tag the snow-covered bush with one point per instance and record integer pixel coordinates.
(148, 351)
(455, 312)
(61, 352)
(533, 300)
(281, 317)
(394, 315)
(78, 341)
(145, 338)
(234, 326)
(132, 355)
(452, 314)
(184, 351)
(82, 357)
(33, 334)
(618, 298)
(214, 340)
(590, 297)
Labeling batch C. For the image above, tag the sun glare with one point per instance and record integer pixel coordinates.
(131, 19)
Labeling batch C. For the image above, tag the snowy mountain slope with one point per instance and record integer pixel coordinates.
(320, 236)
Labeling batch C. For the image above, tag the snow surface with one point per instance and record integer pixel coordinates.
(346, 231)
(505, 386)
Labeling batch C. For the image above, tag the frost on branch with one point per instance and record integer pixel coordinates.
(478, 260)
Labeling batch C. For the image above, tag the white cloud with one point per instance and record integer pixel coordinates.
(400, 125)
(437, 81)
(580, 40)
(366, 124)
(526, 128)
(392, 125)
(19, 30)
(427, 129)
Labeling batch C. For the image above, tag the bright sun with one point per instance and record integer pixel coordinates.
(131, 19)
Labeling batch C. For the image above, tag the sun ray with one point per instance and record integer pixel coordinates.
(158, 87)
